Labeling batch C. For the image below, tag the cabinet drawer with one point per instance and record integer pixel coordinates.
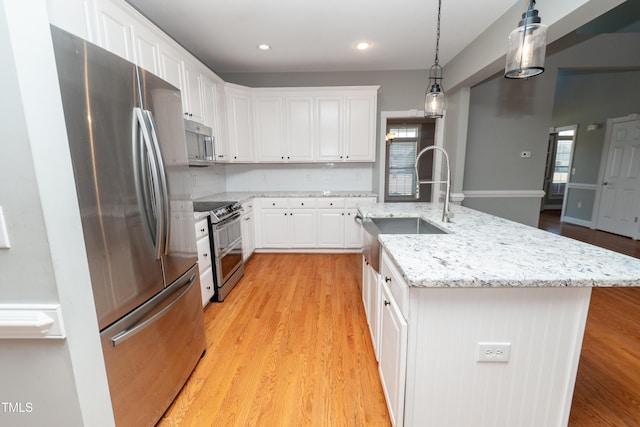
(275, 203)
(396, 284)
(330, 202)
(202, 228)
(204, 253)
(303, 203)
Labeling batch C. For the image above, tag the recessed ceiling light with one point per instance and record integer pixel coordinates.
(363, 45)
(264, 47)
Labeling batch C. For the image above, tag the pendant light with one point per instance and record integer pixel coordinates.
(527, 46)
(434, 95)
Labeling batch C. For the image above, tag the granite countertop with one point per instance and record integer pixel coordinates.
(482, 250)
(243, 196)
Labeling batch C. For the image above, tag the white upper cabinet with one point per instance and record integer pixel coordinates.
(269, 131)
(114, 28)
(329, 128)
(146, 49)
(192, 93)
(240, 121)
(299, 139)
(220, 123)
(71, 16)
(360, 128)
(332, 124)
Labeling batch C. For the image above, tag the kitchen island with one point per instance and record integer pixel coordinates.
(483, 325)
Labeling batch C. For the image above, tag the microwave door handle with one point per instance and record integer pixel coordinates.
(147, 186)
(166, 227)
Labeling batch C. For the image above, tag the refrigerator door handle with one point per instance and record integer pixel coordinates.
(146, 173)
(132, 330)
(163, 181)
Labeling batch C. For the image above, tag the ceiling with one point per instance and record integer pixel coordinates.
(319, 35)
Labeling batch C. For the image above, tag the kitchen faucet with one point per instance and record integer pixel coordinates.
(446, 213)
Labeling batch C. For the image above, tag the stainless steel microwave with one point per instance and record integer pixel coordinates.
(200, 144)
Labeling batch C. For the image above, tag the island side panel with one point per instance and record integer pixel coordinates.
(447, 386)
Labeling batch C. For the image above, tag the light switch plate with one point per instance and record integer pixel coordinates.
(4, 235)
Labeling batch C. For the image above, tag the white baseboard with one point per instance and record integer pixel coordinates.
(577, 221)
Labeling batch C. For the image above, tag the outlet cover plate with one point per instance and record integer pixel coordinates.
(493, 352)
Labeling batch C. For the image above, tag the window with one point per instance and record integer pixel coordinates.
(402, 151)
(562, 158)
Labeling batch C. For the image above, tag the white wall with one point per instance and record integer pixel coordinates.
(64, 380)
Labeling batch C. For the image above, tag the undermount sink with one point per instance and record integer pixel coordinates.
(405, 226)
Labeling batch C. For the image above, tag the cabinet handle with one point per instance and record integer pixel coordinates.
(387, 302)
(387, 279)
(220, 155)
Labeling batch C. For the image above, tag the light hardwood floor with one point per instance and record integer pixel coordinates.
(289, 347)
(607, 391)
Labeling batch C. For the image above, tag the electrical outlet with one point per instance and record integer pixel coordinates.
(493, 352)
(525, 154)
(579, 205)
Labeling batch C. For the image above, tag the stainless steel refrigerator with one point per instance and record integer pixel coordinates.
(128, 149)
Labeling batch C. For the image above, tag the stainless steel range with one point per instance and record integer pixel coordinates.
(225, 239)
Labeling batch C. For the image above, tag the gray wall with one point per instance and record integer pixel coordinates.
(34, 371)
(508, 116)
(63, 379)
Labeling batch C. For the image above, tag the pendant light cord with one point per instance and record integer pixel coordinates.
(438, 32)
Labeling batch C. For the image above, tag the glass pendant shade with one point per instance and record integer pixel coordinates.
(434, 101)
(527, 47)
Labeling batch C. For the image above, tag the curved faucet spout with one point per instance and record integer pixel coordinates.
(446, 213)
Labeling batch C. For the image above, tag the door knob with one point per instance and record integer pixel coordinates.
(605, 183)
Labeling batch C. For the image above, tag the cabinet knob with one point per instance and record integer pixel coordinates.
(282, 157)
(387, 279)
(288, 157)
(285, 214)
(330, 204)
(342, 213)
(190, 115)
(208, 288)
(302, 204)
(205, 254)
(186, 114)
(202, 230)
(220, 155)
(273, 204)
(387, 302)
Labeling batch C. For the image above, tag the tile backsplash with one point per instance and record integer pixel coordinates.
(281, 177)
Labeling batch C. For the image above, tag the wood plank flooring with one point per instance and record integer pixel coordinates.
(607, 391)
(290, 346)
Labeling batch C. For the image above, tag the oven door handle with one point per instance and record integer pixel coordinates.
(236, 245)
(224, 224)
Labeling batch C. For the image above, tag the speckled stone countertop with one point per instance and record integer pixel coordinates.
(243, 196)
(483, 250)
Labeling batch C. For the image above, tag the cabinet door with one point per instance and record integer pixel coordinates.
(352, 230)
(375, 309)
(275, 230)
(147, 50)
(269, 132)
(114, 27)
(220, 125)
(248, 235)
(240, 126)
(303, 226)
(206, 286)
(299, 128)
(331, 228)
(193, 93)
(393, 355)
(71, 16)
(361, 128)
(329, 128)
(208, 103)
(171, 67)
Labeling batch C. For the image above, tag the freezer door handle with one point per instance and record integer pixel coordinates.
(137, 327)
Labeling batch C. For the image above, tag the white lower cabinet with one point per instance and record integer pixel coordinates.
(371, 289)
(310, 223)
(204, 259)
(247, 228)
(392, 355)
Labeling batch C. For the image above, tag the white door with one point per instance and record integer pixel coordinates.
(620, 190)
